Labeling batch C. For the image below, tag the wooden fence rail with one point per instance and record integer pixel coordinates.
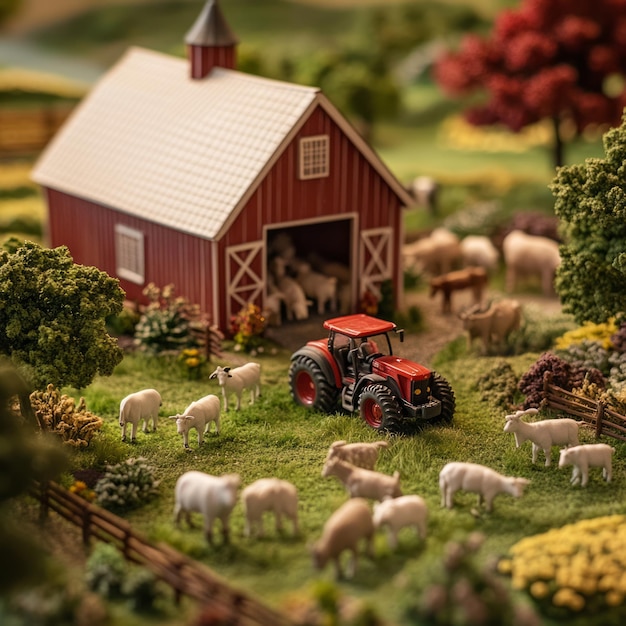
(184, 575)
(597, 414)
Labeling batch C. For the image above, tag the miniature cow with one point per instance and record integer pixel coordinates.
(436, 254)
(247, 376)
(321, 288)
(363, 483)
(397, 513)
(493, 325)
(199, 415)
(479, 251)
(269, 495)
(213, 496)
(362, 455)
(544, 434)
(350, 524)
(474, 278)
(585, 456)
(139, 406)
(530, 255)
(487, 483)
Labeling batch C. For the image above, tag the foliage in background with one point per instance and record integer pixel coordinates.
(564, 374)
(75, 425)
(247, 327)
(538, 332)
(127, 484)
(591, 204)
(498, 386)
(546, 59)
(52, 312)
(192, 361)
(574, 570)
(24, 456)
(169, 324)
(466, 593)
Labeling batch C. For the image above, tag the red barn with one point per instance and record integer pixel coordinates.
(182, 172)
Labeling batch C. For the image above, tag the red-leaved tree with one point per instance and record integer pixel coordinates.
(563, 60)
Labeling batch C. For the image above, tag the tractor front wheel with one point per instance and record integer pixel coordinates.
(380, 409)
(309, 386)
(441, 390)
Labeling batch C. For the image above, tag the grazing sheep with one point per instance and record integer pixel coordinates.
(479, 251)
(474, 278)
(436, 254)
(396, 513)
(492, 325)
(362, 455)
(543, 435)
(345, 528)
(135, 407)
(363, 483)
(213, 496)
(585, 456)
(247, 376)
(198, 415)
(530, 255)
(269, 495)
(479, 479)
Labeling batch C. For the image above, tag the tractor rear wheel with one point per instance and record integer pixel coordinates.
(441, 390)
(380, 409)
(309, 386)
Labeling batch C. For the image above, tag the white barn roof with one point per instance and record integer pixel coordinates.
(152, 142)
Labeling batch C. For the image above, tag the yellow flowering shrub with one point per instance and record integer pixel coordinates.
(578, 568)
(589, 332)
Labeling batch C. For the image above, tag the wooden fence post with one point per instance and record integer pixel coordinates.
(43, 499)
(86, 525)
(599, 418)
(213, 344)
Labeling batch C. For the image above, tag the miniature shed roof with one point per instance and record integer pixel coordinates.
(152, 142)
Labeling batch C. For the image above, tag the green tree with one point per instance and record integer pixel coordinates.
(52, 316)
(591, 204)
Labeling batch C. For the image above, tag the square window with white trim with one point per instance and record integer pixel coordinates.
(129, 254)
(314, 156)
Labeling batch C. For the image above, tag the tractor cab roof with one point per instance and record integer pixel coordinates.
(359, 325)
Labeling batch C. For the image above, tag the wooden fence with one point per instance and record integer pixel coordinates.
(184, 575)
(597, 414)
(27, 131)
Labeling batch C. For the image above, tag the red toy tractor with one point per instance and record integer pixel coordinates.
(356, 362)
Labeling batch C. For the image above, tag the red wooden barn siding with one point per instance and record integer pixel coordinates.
(171, 257)
(353, 186)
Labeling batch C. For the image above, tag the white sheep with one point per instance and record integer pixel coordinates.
(135, 407)
(363, 483)
(544, 434)
(397, 513)
(296, 302)
(585, 456)
(487, 483)
(436, 254)
(317, 286)
(526, 254)
(362, 455)
(479, 251)
(199, 415)
(269, 495)
(247, 376)
(350, 524)
(213, 496)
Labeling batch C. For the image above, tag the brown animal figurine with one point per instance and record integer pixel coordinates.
(474, 278)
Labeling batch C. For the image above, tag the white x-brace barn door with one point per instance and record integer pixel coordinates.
(243, 283)
(375, 259)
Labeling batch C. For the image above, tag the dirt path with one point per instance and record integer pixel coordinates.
(439, 329)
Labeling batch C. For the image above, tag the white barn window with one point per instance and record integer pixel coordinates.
(314, 155)
(129, 254)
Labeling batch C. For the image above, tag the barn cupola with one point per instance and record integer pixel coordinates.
(210, 42)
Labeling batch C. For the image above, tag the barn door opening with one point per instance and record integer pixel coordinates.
(327, 246)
